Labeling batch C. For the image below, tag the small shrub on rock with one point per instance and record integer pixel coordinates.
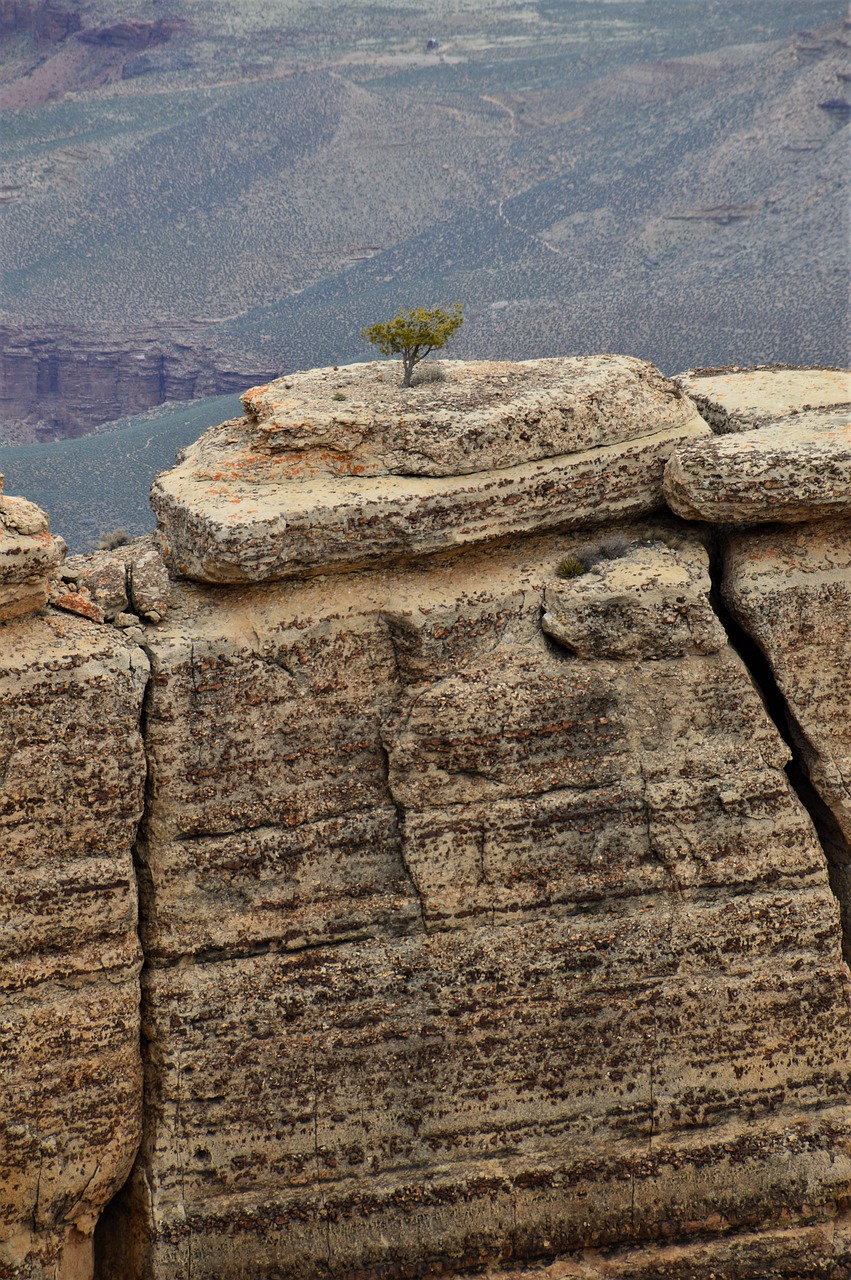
(570, 567)
(585, 557)
(109, 541)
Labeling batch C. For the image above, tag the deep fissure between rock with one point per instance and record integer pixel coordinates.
(831, 838)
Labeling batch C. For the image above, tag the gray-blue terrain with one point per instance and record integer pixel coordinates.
(238, 193)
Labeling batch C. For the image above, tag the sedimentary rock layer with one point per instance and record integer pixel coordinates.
(794, 470)
(790, 589)
(71, 782)
(29, 555)
(741, 399)
(286, 492)
(65, 383)
(465, 947)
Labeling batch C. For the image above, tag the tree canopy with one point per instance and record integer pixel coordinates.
(414, 334)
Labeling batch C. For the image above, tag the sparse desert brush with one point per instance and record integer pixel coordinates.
(570, 567)
(585, 557)
(433, 372)
(673, 539)
(109, 541)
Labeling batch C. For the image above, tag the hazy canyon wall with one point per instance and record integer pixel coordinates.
(66, 384)
(384, 902)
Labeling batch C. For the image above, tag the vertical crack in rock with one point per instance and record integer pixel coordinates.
(484, 880)
(113, 1209)
(837, 850)
(400, 830)
(394, 799)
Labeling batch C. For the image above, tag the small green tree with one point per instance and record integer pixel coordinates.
(413, 334)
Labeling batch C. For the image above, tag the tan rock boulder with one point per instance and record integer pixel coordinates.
(793, 471)
(740, 399)
(651, 602)
(148, 582)
(29, 556)
(319, 478)
(104, 577)
(72, 773)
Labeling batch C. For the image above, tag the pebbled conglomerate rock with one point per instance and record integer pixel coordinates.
(650, 602)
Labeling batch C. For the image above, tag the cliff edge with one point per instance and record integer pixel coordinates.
(487, 826)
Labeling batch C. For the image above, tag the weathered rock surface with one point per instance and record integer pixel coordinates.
(148, 582)
(483, 922)
(29, 555)
(463, 947)
(803, 1251)
(795, 470)
(479, 416)
(652, 602)
(741, 399)
(498, 449)
(71, 784)
(131, 573)
(791, 591)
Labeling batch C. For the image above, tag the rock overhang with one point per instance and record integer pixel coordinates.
(796, 468)
(340, 468)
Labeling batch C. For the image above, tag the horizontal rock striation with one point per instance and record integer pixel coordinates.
(71, 782)
(499, 449)
(462, 946)
(790, 589)
(29, 557)
(794, 470)
(61, 384)
(491, 901)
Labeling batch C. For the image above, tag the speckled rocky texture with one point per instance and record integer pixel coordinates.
(129, 575)
(478, 416)
(795, 470)
(482, 921)
(651, 602)
(71, 781)
(741, 399)
(806, 1252)
(309, 484)
(791, 591)
(462, 947)
(29, 555)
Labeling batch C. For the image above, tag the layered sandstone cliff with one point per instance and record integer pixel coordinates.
(489, 915)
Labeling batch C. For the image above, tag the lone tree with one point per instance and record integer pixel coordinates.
(413, 334)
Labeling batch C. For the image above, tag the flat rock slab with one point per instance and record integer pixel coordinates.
(308, 483)
(740, 399)
(796, 470)
(480, 415)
